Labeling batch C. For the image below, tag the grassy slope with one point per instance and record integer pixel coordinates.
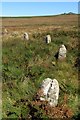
(27, 63)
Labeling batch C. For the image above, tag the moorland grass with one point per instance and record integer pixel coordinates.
(27, 63)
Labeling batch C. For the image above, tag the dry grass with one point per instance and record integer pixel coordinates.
(40, 23)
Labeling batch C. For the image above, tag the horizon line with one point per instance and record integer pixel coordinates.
(68, 13)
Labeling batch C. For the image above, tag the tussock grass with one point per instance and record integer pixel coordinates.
(27, 63)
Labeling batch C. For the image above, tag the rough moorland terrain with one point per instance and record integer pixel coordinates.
(25, 64)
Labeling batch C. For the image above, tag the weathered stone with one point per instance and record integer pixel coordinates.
(48, 39)
(5, 31)
(50, 88)
(62, 52)
(26, 36)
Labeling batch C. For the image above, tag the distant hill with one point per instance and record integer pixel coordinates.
(70, 13)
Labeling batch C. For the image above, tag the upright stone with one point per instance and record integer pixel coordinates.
(26, 36)
(48, 39)
(50, 91)
(62, 52)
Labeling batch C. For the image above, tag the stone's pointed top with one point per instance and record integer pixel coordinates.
(48, 35)
(54, 80)
(63, 46)
(25, 33)
(48, 79)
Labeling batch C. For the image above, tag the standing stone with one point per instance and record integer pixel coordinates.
(50, 88)
(5, 31)
(62, 52)
(26, 36)
(48, 39)
(53, 93)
